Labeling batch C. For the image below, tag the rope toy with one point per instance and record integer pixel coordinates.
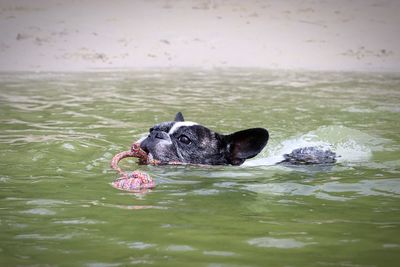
(135, 181)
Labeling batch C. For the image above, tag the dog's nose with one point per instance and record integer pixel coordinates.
(159, 135)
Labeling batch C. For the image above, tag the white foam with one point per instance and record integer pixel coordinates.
(350, 145)
(275, 153)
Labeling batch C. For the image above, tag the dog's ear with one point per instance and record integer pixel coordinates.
(245, 144)
(179, 117)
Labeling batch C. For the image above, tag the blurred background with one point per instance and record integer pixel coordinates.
(75, 35)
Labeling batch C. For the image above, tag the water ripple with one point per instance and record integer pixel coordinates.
(59, 132)
(269, 242)
(381, 187)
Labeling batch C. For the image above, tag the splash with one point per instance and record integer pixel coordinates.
(350, 145)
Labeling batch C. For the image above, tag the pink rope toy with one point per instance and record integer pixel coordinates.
(135, 181)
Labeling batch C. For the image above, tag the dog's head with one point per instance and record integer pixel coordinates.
(188, 142)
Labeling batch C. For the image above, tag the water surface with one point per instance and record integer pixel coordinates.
(60, 130)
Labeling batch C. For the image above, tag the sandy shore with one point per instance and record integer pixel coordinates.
(361, 35)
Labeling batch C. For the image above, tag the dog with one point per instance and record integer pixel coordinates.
(189, 142)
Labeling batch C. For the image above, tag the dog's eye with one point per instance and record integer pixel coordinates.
(151, 129)
(184, 139)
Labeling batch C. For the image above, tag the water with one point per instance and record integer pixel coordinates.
(59, 132)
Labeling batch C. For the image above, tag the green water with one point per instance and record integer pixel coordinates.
(59, 132)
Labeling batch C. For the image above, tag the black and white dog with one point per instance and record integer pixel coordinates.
(189, 142)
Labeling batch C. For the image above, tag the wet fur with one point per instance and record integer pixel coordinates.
(206, 146)
(164, 143)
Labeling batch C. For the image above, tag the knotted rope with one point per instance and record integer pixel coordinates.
(137, 180)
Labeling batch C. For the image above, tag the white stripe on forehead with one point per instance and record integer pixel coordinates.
(179, 124)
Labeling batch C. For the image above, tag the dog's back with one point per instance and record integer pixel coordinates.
(309, 155)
